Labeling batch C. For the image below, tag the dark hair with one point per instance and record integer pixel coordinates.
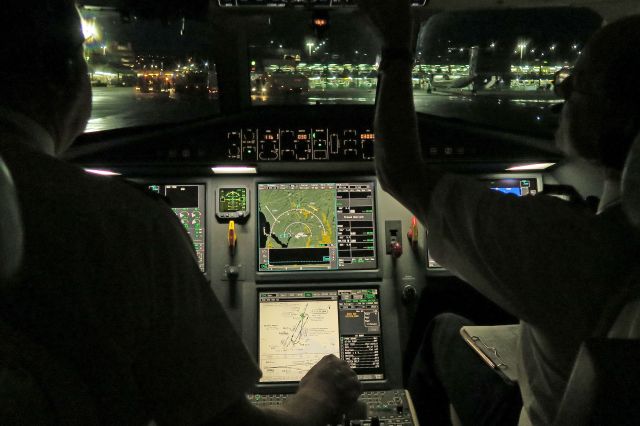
(38, 38)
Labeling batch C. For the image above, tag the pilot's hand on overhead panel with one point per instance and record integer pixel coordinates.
(329, 389)
(392, 19)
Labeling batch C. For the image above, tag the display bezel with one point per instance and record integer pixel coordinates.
(374, 272)
(382, 348)
(226, 216)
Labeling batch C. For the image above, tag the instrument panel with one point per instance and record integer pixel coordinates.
(307, 144)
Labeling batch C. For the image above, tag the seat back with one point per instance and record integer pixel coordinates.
(605, 379)
(631, 184)
(10, 228)
(35, 388)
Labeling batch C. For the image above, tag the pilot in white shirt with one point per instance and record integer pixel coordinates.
(543, 260)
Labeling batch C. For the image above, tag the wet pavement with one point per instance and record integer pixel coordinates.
(524, 112)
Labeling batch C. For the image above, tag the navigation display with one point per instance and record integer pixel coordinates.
(513, 186)
(187, 202)
(296, 328)
(316, 226)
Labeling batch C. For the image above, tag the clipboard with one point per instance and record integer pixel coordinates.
(497, 346)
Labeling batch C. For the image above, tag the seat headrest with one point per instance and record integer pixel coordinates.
(11, 233)
(631, 184)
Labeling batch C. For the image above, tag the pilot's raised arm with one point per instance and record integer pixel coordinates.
(398, 154)
(509, 248)
(547, 262)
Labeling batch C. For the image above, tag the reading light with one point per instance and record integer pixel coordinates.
(102, 172)
(534, 166)
(234, 170)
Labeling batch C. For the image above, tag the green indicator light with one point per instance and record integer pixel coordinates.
(307, 294)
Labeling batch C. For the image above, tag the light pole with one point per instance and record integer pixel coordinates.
(310, 46)
(521, 46)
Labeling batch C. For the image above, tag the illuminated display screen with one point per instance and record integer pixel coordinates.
(188, 203)
(514, 186)
(232, 200)
(316, 226)
(296, 328)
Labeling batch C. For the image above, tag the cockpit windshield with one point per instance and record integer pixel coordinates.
(146, 72)
(486, 67)
(497, 67)
(313, 59)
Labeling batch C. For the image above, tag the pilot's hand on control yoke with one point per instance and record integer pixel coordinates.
(329, 389)
(392, 19)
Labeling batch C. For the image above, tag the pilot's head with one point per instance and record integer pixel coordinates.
(601, 116)
(44, 75)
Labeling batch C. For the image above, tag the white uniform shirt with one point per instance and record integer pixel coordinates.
(544, 260)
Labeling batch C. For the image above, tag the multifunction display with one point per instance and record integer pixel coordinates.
(316, 226)
(514, 186)
(298, 327)
(187, 202)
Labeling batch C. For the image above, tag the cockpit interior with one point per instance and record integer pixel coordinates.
(254, 121)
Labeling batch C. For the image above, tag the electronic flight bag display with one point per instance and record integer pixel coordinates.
(316, 226)
(297, 327)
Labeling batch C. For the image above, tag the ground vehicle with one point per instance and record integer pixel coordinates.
(346, 137)
(281, 83)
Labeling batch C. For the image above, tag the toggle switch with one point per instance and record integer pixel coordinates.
(393, 231)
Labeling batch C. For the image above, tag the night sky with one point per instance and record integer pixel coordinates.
(540, 29)
(349, 33)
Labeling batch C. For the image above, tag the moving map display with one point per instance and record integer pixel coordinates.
(297, 328)
(316, 226)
